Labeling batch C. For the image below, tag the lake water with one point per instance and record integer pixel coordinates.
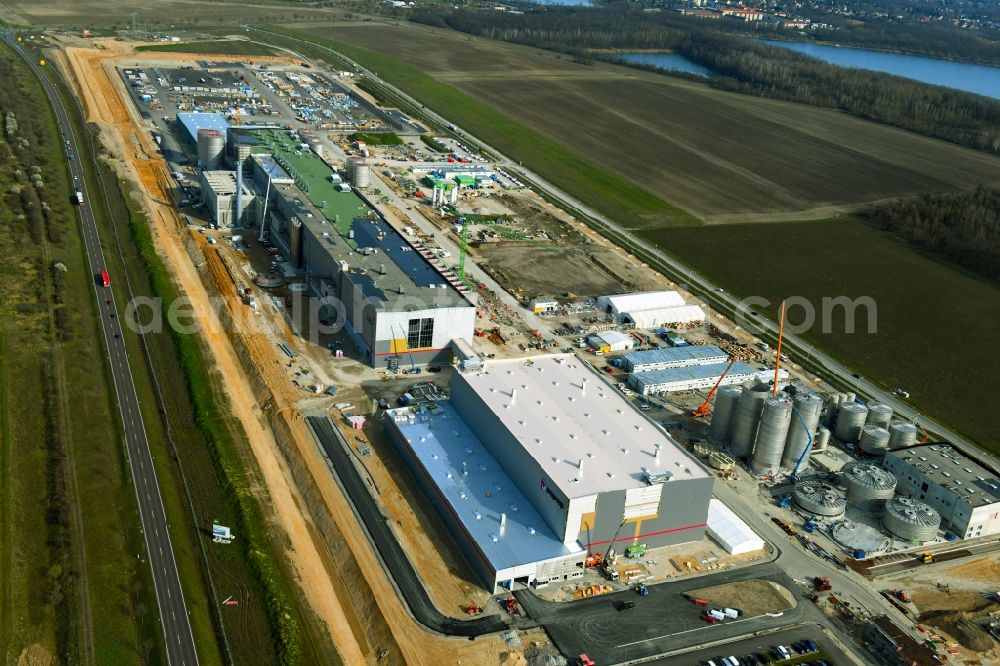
(668, 61)
(981, 79)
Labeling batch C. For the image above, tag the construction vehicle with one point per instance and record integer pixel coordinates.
(703, 409)
(785, 502)
(902, 596)
(927, 558)
(584, 660)
(809, 526)
(473, 610)
(822, 584)
(638, 550)
(641, 589)
(510, 605)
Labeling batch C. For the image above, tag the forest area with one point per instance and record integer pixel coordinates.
(741, 65)
(963, 228)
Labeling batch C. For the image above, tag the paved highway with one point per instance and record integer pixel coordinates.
(793, 344)
(178, 638)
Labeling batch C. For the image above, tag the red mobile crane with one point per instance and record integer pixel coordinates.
(703, 410)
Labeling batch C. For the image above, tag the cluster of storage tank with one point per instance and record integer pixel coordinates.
(871, 427)
(772, 431)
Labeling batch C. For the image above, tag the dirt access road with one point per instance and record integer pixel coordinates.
(324, 580)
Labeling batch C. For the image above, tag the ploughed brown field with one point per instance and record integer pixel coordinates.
(721, 156)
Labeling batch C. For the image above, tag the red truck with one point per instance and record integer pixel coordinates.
(105, 279)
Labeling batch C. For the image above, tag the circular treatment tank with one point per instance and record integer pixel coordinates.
(868, 486)
(850, 420)
(727, 401)
(874, 440)
(822, 439)
(879, 414)
(804, 421)
(858, 536)
(910, 520)
(902, 435)
(774, 421)
(211, 147)
(819, 499)
(747, 418)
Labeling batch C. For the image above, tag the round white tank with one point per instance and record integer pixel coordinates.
(850, 420)
(910, 520)
(211, 147)
(747, 418)
(727, 401)
(359, 172)
(774, 421)
(902, 435)
(874, 440)
(808, 406)
(868, 486)
(821, 439)
(879, 414)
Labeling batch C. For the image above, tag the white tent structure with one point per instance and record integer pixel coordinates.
(650, 309)
(729, 530)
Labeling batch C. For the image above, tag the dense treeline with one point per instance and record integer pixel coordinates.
(964, 228)
(741, 65)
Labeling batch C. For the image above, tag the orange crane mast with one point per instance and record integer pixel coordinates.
(777, 352)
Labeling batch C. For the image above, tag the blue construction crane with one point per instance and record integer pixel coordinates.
(794, 476)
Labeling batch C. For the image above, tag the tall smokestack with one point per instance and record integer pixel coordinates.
(583, 386)
(513, 395)
(656, 456)
(579, 473)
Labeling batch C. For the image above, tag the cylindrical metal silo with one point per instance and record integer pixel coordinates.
(359, 171)
(747, 418)
(848, 397)
(832, 407)
(727, 401)
(821, 439)
(902, 435)
(808, 407)
(820, 499)
(211, 148)
(868, 486)
(850, 419)
(879, 414)
(874, 440)
(774, 421)
(910, 520)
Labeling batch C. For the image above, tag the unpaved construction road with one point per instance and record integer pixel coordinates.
(351, 595)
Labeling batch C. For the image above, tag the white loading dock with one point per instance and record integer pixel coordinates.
(730, 531)
(690, 377)
(611, 341)
(650, 309)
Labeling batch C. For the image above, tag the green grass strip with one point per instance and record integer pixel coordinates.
(211, 420)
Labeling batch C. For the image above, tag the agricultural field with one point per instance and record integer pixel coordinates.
(214, 47)
(161, 15)
(936, 324)
(71, 586)
(722, 157)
